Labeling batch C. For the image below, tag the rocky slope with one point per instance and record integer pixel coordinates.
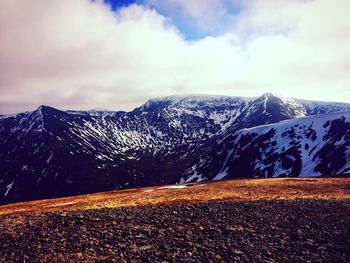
(50, 153)
(262, 231)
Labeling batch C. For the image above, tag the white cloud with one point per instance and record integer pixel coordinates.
(80, 54)
(200, 17)
(203, 15)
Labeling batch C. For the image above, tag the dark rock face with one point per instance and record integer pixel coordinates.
(268, 109)
(262, 231)
(52, 153)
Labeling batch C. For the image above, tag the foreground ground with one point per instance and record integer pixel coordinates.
(273, 220)
(221, 231)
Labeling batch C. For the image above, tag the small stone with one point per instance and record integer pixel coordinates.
(237, 252)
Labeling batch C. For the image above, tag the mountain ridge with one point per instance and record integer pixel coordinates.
(52, 153)
(190, 96)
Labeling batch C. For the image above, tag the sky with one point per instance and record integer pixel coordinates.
(87, 54)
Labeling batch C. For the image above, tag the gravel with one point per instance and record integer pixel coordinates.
(259, 231)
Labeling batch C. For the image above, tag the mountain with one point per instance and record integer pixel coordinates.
(51, 153)
(309, 146)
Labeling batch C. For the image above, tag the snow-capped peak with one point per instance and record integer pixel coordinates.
(57, 152)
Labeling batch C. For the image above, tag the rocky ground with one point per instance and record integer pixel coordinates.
(261, 231)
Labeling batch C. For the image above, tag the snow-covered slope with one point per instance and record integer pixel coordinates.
(49, 152)
(307, 146)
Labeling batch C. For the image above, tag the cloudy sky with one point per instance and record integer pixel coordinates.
(84, 54)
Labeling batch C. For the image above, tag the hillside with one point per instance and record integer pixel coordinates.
(229, 190)
(305, 147)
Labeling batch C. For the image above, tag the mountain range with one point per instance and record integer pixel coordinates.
(178, 139)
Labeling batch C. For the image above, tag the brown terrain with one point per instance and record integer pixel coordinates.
(230, 190)
(253, 220)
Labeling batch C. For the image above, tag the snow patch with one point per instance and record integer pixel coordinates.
(19, 210)
(220, 175)
(8, 188)
(173, 187)
(223, 171)
(62, 204)
(50, 158)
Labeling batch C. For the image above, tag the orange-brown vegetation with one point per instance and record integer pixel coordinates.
(233, 190)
